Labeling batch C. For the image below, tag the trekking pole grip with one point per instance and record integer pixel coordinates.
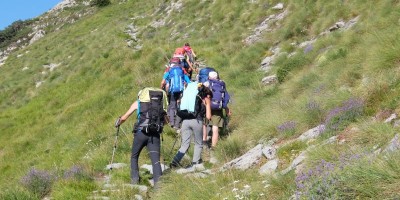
(117, 122)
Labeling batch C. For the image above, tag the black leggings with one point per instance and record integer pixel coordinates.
(152, 142)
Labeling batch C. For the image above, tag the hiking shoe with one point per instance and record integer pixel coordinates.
(173, 165)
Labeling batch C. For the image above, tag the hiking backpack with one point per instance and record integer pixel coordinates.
(179, 51)
(176, 74)
(189, 53)
(203, 74)
(152, 104)
(220, 98)
(191, 106)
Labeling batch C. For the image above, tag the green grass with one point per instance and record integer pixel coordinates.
(68, 120)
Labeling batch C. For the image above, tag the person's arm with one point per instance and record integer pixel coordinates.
(163, 82)
(194, 55)
(162, 85)
(228, 111)
(128, 113)
(186, 78)
(207, 102)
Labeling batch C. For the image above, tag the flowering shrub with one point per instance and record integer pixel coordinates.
(340, 116)
(322, 181)
(38, 182)
(287, 128)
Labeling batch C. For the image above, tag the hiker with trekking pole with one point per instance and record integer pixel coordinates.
(195, 106)
(151, 107)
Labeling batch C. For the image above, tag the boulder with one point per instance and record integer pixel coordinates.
(252, 157)
(269, 167)
(394, 144)
(312, 133)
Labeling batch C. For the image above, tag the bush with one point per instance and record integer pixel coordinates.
(38, 182)
(341, 116)
(100, 3)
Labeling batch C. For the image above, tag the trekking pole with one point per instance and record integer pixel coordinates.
(176, 139)
(117, 124)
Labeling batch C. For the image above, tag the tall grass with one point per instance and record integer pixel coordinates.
(69, 118)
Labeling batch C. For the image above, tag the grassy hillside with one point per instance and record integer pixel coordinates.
(65, 125)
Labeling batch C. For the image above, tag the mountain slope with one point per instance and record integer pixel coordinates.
(55, 119)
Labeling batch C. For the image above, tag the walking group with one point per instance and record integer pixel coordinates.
(189, 107)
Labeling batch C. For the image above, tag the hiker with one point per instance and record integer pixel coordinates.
(195, 106)
(203, 74)
(202, 77)
(219, 104)
(151, 107)
(181, 54)
(190, 53)
(173, 81)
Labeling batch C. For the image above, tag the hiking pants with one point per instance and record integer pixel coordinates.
(190, 126)
(174, 120)
(152, 142)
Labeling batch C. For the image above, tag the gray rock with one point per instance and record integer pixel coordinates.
(278, 6)
(51, 66)
(268, 61)
(312, 133)
(150, 167)
(269, 152)
(391, 118)
(138, 197)
(141, 188)
(245, 161)
(263, 27)
(269, 80)
(116, 166)
(194, 168)
(300, 158)
(63, 4)
(269, 167)
(37, 35)
(396, 123)
(394, 144)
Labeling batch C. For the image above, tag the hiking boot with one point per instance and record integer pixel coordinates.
(173, 165)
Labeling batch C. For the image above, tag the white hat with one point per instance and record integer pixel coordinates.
(213, 75)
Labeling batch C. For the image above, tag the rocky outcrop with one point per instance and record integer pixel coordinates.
(264, 27)
(63, 4)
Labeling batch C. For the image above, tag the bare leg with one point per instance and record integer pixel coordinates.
(214, 136)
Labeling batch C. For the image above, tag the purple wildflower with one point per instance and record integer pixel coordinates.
(38, 182)
(287, 127)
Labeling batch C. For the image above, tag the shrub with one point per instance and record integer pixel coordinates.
(313, 112)
(340, 116)
(287, 128)
(100, 3)
(38, 182)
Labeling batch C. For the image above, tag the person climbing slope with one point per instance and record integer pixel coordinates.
(174, 81)
(151, 107)
(195, 106)
(219, 104)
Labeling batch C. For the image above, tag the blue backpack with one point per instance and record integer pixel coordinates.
(220, 97)
(203, 74)
(176, 80)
